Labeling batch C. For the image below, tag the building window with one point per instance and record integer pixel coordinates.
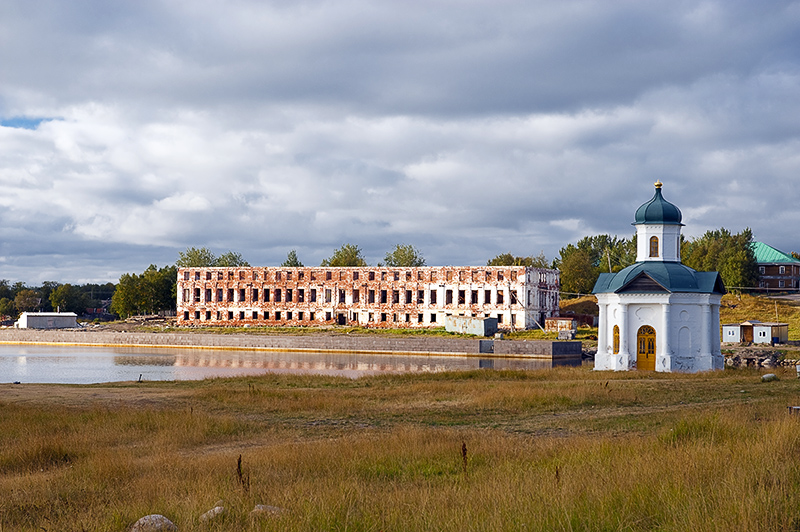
(383, 296)
(230, 314)
(289, 297)
(255, 315)
(654, 246)
(487, 297)
(278, 316)
(277, 295)
(499, 297)
(341, 296)
(289, 316)
(433, 318)
(241, 315)
(301, 296)
(208, 315)
(313, 296)
(781, 284)
(328, 277)
(355, 276)
(762, 270)
(371, 296)
(328, 297)
(241, 294)
(396, 297)
(433, 297)
(616, 339)
(448, 297)
(781, 270)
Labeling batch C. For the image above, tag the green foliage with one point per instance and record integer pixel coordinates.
(349, 255)
(68, 298)
(292, 261)
(205, 258)
(147, 293)
(27, 300)
(5, 290)
(593, 255)
(195, 258)
(731, 255)
(404, 256)
(7, 307)
(507, 259)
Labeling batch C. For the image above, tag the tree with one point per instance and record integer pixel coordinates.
(349, 255)
(578, 274)
(195, 258)
(507, 259)
(148, 293)
(292, 261)
(731, 255)
(27, 300)
(68, 298)
(404, 256)
(230, 259)
(7, 307)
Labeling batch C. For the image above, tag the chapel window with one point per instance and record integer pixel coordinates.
(616, 339)
(654, 246)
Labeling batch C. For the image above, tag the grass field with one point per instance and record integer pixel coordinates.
(563, 449)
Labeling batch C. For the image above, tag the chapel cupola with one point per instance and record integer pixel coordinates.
(658, 230)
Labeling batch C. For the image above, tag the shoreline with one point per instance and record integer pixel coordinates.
(486, 348)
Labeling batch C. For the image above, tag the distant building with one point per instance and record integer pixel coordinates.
(777, 270)
(658, 314)
(47, 320)
(516, 296)
(757, 332)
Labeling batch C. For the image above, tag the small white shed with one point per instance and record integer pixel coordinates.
(47, 320)
(755, 331)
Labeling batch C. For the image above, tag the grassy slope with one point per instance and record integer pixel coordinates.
(566, 449)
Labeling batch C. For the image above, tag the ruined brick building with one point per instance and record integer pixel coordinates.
(518, 296)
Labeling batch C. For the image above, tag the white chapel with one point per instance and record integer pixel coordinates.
(658, 314)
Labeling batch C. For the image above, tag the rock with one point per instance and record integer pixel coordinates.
(153, 523)
(769, 377)
(212, 513)
(266, 510)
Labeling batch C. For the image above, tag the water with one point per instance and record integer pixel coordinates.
(87, 365)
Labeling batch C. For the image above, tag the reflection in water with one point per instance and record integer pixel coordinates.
(83, 365)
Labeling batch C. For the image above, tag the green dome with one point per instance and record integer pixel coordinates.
(658, 211)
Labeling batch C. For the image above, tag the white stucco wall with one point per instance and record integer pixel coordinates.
(686, 325)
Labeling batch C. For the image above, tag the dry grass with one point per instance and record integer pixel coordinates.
(567, 449)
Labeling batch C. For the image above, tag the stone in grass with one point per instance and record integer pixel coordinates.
(212, 513)
(264, 510)
(769, 377)
(153, 523)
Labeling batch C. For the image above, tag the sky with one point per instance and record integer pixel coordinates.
(130, 131)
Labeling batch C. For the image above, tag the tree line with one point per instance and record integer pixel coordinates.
(580, 264)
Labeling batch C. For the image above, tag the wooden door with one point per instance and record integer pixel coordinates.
(646, 348)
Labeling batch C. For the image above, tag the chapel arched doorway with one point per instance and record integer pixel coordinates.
(646, 348)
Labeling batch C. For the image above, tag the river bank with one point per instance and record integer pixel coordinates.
(347, 343)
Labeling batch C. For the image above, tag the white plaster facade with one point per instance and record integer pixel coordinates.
(657, 313)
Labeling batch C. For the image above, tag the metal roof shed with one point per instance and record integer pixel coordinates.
(47, 320)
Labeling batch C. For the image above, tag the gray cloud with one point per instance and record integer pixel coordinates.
(131, 131)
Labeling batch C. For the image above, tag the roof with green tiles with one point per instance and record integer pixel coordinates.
(654, 276)
(658, 211)
(766, 254)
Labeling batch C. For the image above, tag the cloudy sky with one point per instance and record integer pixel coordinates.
(132, 130)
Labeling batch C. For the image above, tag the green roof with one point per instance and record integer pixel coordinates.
(658, 276)
(658, 211)
(766, 254)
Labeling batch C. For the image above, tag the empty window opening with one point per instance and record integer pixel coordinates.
(313, 295)
(311, 316)
(208, 276)
(219, 276)
(371, 296)
(219, 315)
(277, 295)
(208, 315)
(383, 316)
(197, 314)
(420, 297)
(288, 276)
(230, 276)
(313, 276)
(419, 318)
(487, 297)
(301, 295)
(448, 297)
(278, 316)
(514, 297)
(230, 314)
(196, 276)
(396, 276)
(462, 297)
(328, 276)
(255, 315)
(383, 296)
(241, 294)
(433, 318)
(266, 295)
(241, 314)
(327, 316)
(395, 296)
(474, 297)
(499, 297)
(241, 276)
(186, 277)
(289, 295)
(186, 315)
(500, 276)
(196, 295)
(356, 295)
(371, 317)
(449, 275)
(300, 275)
(255, 294)
(433, 297)
(277, 276)
(394, 317)
(409, 297)
(219, 294)
(355, 276)
(383, 276)
(186, 295)
(408, 318)
(255, 276)
(371, 276)
(300, 315)
(513, 275)
(499, 318)
(341, 296)
(266, 315)
(288, 316)
(208, 294)
(328, 296)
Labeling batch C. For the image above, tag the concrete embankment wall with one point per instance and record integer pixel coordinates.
(321, 342)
